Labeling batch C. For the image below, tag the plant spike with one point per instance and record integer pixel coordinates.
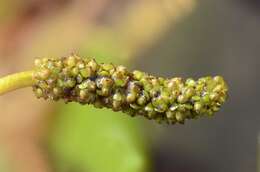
(83, 80)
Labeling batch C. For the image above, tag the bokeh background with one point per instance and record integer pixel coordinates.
(187, 38)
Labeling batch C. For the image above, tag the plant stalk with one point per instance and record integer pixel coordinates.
(16, 81)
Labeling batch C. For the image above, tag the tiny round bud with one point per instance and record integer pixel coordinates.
(190, 82)
(118, 97)
(44, 74)
(215, 108)
(80, 65)
(37, 62)
(107, 67)
(173, 108)
(198, 107)
(189, 92)
(107, 82)
(70, 82)
(135, 106)
(206, 99)
(39, 93)
(141, 100)
(91, 85)
(105, 92)
(165, 95)
(104, 73)
(93, 64)
(180, 117)
(134, 87)
(149, 108)
(56, 91)
(79, 79)
(87, 84)
(130, 97)
(122, 69)
(213, 96)
(86, 72)
(82, 94)
(120, 79)
(218, 79)
(58, 64)
(71, 61)
(218, 88)
(138, 74)
(116, 105)
(170, 115)
(75, 71)
(159, 104)
(155, 82)
(182, 98)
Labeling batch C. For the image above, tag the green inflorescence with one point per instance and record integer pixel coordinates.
(83, 80)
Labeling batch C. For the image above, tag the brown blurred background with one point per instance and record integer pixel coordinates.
(187, 38)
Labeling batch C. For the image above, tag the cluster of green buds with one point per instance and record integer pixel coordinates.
(83, 80)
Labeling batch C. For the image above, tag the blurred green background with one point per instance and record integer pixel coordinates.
(186, 38)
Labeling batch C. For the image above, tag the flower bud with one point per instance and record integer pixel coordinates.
(85, 81)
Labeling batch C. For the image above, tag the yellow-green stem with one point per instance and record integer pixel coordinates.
(16, 81)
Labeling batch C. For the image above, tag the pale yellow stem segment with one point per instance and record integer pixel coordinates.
(16, 81)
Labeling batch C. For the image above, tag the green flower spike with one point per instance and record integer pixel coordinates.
(83, 80)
